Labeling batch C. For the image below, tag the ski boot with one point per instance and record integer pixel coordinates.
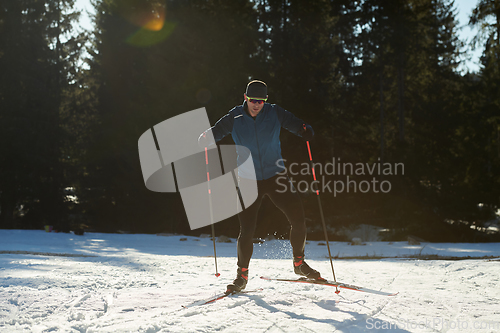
(301, 268)
(240, 282)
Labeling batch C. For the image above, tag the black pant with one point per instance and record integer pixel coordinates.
(288, 202)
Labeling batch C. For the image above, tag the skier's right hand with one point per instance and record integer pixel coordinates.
(205, 139)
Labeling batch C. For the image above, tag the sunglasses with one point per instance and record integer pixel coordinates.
(257, 101)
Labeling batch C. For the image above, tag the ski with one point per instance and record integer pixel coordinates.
(325, 282)
(218, 297)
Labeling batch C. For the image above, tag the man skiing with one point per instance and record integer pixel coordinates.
(256, 125)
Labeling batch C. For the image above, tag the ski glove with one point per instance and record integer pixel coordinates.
(205, 140)
(307, 133)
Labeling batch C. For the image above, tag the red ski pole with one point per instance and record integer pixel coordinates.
(321, 211)
(217, 274)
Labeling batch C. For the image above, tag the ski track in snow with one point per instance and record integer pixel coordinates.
(138, 283)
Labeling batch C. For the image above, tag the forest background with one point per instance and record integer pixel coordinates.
(378, 80)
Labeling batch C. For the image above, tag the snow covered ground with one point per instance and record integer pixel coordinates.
(55, 282)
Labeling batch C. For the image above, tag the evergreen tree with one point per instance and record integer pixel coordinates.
(407, 52)
(154, 60)
(484, 115)
(34, 65)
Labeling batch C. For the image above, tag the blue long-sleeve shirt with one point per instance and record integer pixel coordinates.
(259, 135)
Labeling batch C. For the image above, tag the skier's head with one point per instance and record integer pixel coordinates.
(255, 96)
(256, 89)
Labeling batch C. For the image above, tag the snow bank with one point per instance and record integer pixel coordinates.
(138, 283)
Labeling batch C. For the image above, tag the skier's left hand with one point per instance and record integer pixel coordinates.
(307, 133)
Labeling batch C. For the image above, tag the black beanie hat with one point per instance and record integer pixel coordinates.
(256, 89)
